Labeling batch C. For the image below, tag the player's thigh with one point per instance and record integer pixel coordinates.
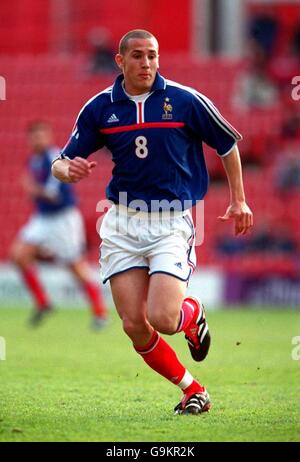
(129, 291)
(24, 252)
(165, 297)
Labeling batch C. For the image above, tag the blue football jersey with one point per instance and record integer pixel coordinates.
(156, 143)
(62, 193)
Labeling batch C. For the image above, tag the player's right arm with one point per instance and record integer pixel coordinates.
(73, 165)
(72, 170)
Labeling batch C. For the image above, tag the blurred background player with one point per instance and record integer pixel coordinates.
(54, 231)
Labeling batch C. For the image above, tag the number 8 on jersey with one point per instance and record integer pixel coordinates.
(141, 147)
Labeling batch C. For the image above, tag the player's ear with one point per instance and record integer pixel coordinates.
(119, 61)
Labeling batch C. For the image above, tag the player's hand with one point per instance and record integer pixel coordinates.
(80, 168)
(242, 216)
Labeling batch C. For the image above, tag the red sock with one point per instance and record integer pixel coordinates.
(95, 297)
(186, 315)
(162, 359)
(35, 287)
(194, 387)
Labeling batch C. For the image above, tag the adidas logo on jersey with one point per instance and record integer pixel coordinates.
(113, 118)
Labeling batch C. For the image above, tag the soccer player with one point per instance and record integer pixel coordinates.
(155, 128)
(56, 229)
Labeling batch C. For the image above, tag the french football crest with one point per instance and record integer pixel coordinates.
(167, 109)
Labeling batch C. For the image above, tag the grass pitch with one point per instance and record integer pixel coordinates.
(63, 382)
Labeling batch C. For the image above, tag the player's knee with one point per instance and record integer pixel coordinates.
(19, 256)
(163, 322)
(134, 327)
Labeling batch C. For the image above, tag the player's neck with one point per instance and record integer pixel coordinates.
(134, 92)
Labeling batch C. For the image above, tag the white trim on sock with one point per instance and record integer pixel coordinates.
(186, 381)
(179, 328)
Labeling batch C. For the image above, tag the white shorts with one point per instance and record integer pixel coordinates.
(60, 235)
(155, 241)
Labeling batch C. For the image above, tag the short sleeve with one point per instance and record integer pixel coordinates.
(207, 123)
(85, 138)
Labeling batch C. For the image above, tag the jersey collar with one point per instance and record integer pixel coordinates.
(118, 93)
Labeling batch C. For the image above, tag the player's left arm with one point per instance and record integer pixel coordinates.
(238, 210)
(206, 120)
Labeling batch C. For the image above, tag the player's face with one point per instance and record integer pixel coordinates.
(40, 139)
(139, 65)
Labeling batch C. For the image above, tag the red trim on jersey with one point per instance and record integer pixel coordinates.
(128, 128)
(140, 111)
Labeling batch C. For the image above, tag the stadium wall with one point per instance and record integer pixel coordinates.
(65, 292)
(216, 287)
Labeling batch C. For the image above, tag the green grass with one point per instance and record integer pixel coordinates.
(62, 382)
